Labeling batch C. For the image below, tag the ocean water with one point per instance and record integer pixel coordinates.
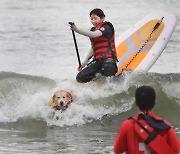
(37, 57)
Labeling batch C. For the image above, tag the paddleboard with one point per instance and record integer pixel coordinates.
(140, 46)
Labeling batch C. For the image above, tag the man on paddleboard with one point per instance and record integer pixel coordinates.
(146, 133)
(102, 37)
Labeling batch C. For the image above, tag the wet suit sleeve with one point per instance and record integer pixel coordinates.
(88, 33)
(106, 31)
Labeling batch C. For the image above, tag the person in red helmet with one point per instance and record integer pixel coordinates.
(146, 133)
(103, 51)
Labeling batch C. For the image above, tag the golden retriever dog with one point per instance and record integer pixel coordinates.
(61, 100)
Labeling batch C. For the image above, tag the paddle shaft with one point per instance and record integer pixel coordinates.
(75, 43)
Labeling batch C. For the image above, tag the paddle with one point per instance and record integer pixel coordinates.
(75, 43)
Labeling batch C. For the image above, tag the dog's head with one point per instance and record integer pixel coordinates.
(61, 100)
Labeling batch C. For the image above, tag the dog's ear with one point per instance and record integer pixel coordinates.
(52, 103)
(69, 95)
(53, 97)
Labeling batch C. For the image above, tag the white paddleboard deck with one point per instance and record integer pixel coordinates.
(139, 47)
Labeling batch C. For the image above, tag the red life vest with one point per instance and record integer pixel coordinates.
(104, 47)
(151, 138)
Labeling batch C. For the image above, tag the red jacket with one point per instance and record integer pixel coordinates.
(104, 47)
(127, 140)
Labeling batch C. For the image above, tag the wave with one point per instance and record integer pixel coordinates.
(26, 97)
(18, 93)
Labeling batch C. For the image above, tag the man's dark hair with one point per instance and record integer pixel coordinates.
(97, 12)
(145, 97)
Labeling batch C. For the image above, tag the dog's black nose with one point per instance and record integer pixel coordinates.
(61, 103)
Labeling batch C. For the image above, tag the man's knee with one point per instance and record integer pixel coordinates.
(82, 78)
(79, 77)
(109, 69)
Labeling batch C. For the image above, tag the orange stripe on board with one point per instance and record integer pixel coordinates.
(121, 49)
(148, 27)
(134, 63)
(145, 32)
(139, 42)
